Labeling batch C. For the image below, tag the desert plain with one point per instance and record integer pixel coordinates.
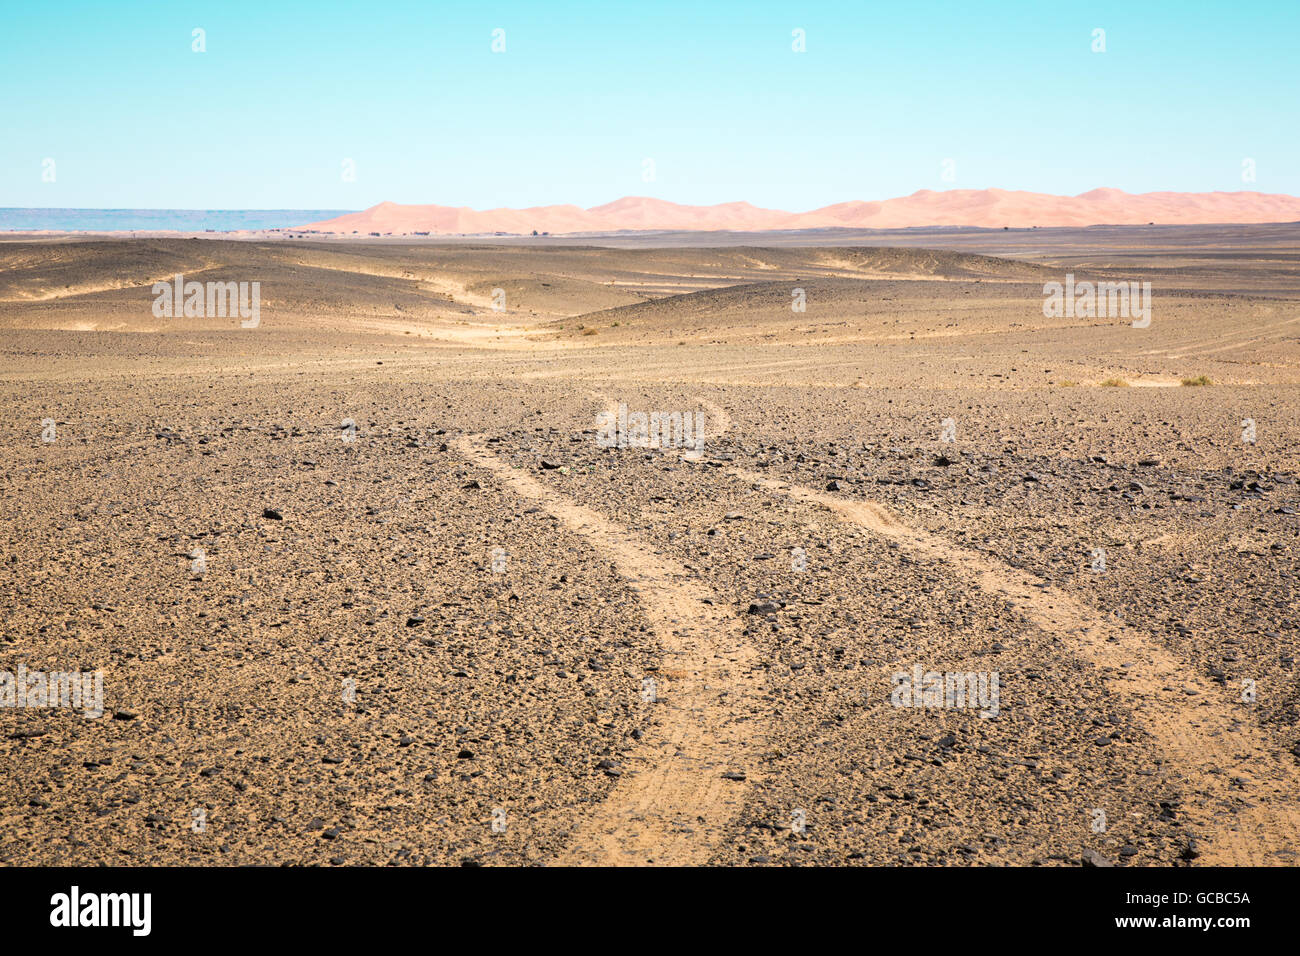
(366, 586)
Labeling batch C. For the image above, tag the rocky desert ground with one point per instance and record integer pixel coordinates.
(368, 582)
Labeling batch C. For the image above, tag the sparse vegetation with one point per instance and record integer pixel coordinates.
(1114, 383)
(1199, 380)
(590, 331)
(1068, 383)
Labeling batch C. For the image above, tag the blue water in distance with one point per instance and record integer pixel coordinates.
(151, 220)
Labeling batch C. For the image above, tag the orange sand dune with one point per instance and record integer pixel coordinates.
(989, 208)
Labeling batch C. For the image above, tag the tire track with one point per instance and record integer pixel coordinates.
(678, 808)
(1247, 808)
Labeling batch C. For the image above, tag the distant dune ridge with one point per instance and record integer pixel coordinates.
(988, 208)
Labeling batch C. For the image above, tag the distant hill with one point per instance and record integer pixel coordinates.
(989, 208)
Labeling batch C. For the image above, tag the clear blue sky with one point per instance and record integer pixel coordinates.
(584, 92)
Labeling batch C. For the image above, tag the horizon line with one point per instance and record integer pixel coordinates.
(728, 202)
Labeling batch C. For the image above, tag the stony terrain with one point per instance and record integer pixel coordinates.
(366, 587)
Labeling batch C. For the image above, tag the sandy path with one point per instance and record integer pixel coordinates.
(1222, 342)
(677, 806)
(1241, 793)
